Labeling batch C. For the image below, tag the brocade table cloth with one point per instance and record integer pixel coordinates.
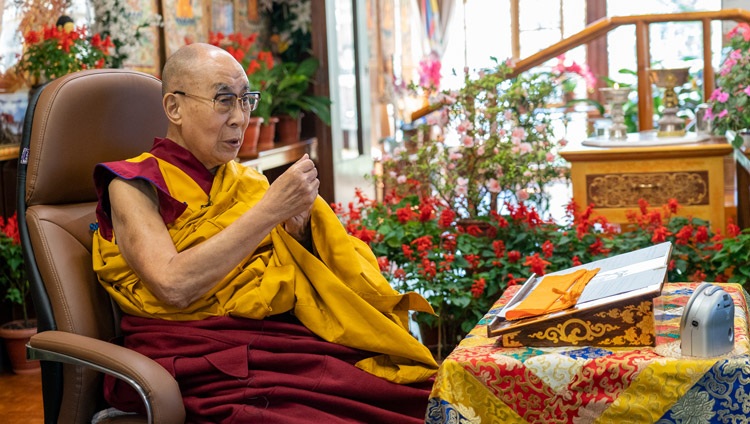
(482, 382)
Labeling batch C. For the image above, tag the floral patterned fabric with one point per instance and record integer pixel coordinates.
(481, 382)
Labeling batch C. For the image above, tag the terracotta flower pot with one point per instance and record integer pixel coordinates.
(288, 129)
(16, 337)
(249, 146)
(267, 134)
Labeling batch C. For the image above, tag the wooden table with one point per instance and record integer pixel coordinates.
(699, 175)
(481, 381)
(281, 155)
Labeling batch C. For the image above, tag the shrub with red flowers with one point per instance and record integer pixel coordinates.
(54, 52)
(462, 266)
(12, 270)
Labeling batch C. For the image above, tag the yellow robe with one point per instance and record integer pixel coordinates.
(339, 293)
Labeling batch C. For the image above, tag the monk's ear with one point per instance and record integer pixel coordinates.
(172, 108)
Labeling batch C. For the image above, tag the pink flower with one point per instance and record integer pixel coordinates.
(493, 186)
(723, 113)
(747, 90)
(401, 179)
(454, 156)
(522, 195)
(467, 141)
(722, 97)
(550, 157)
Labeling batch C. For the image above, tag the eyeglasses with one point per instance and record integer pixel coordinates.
(224, 102)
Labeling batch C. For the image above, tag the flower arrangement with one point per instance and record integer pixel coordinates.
(568, 75)
(56, 51)
(12, 271)
(730, 99)
(463, 267)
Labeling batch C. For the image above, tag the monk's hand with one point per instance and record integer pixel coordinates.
(294, 191)
(298, 227)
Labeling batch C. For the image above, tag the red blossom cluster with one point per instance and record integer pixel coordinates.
(9, 228)
(245, 49)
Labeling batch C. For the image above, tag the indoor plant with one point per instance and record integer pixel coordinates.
(285, 92)
(463, 269)
(730, 100)
(57, 51)
(13, 279)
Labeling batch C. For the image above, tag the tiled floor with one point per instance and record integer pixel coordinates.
(21, 399)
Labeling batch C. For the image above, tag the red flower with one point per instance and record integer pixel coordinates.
(673, 205)
(449, 242)
(473, 260)
(10, 228)
(698, 276)
(683, 236)
(671, 265)
(576, 260)
(548, 248)
(446, 218)
(422, 244)
(408, 252)
(514, 256)
(499, 247)
(405, 214)
(643, 206)
(383, 263)
(426, 211)
(733, 230)
(660, 234)
(399, 273)
(536, 263)
(701, 235)
(477, 289)
(597, 248)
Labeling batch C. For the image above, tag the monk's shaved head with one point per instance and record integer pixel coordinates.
(182, 68)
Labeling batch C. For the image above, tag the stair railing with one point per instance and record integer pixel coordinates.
(603, 26)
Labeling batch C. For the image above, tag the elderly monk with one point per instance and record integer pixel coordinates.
(252, 295)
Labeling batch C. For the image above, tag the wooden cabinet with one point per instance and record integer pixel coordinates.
(699, 175)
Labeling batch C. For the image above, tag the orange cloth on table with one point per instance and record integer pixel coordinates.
(554, 293)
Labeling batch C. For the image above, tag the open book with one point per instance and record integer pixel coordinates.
(628, 277)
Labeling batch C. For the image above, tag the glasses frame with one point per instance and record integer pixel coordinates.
(251, 94)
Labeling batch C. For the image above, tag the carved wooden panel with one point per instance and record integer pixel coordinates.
(623, 190)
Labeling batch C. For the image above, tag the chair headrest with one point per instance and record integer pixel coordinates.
(86, 118)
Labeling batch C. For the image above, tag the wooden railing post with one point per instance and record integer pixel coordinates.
(708, 69)
(643, 60)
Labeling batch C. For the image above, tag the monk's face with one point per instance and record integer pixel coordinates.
(214, 136)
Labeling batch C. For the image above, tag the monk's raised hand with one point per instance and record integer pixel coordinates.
(294, 191)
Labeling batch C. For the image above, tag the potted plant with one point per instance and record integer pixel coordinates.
(286, 88)
(13, 279)
(59, 50)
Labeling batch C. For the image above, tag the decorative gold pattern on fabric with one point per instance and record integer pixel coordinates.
(624, 190)
(574, 331)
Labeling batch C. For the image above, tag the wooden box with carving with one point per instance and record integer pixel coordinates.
(699, 175)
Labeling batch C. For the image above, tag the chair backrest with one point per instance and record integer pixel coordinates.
(72, 124)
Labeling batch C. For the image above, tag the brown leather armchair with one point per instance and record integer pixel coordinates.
(73, 123)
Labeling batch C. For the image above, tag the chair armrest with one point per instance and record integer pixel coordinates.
(155, 385)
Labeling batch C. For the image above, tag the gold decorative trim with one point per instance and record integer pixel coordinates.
(624, 190)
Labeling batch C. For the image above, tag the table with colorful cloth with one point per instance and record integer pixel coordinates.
(483, 382)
